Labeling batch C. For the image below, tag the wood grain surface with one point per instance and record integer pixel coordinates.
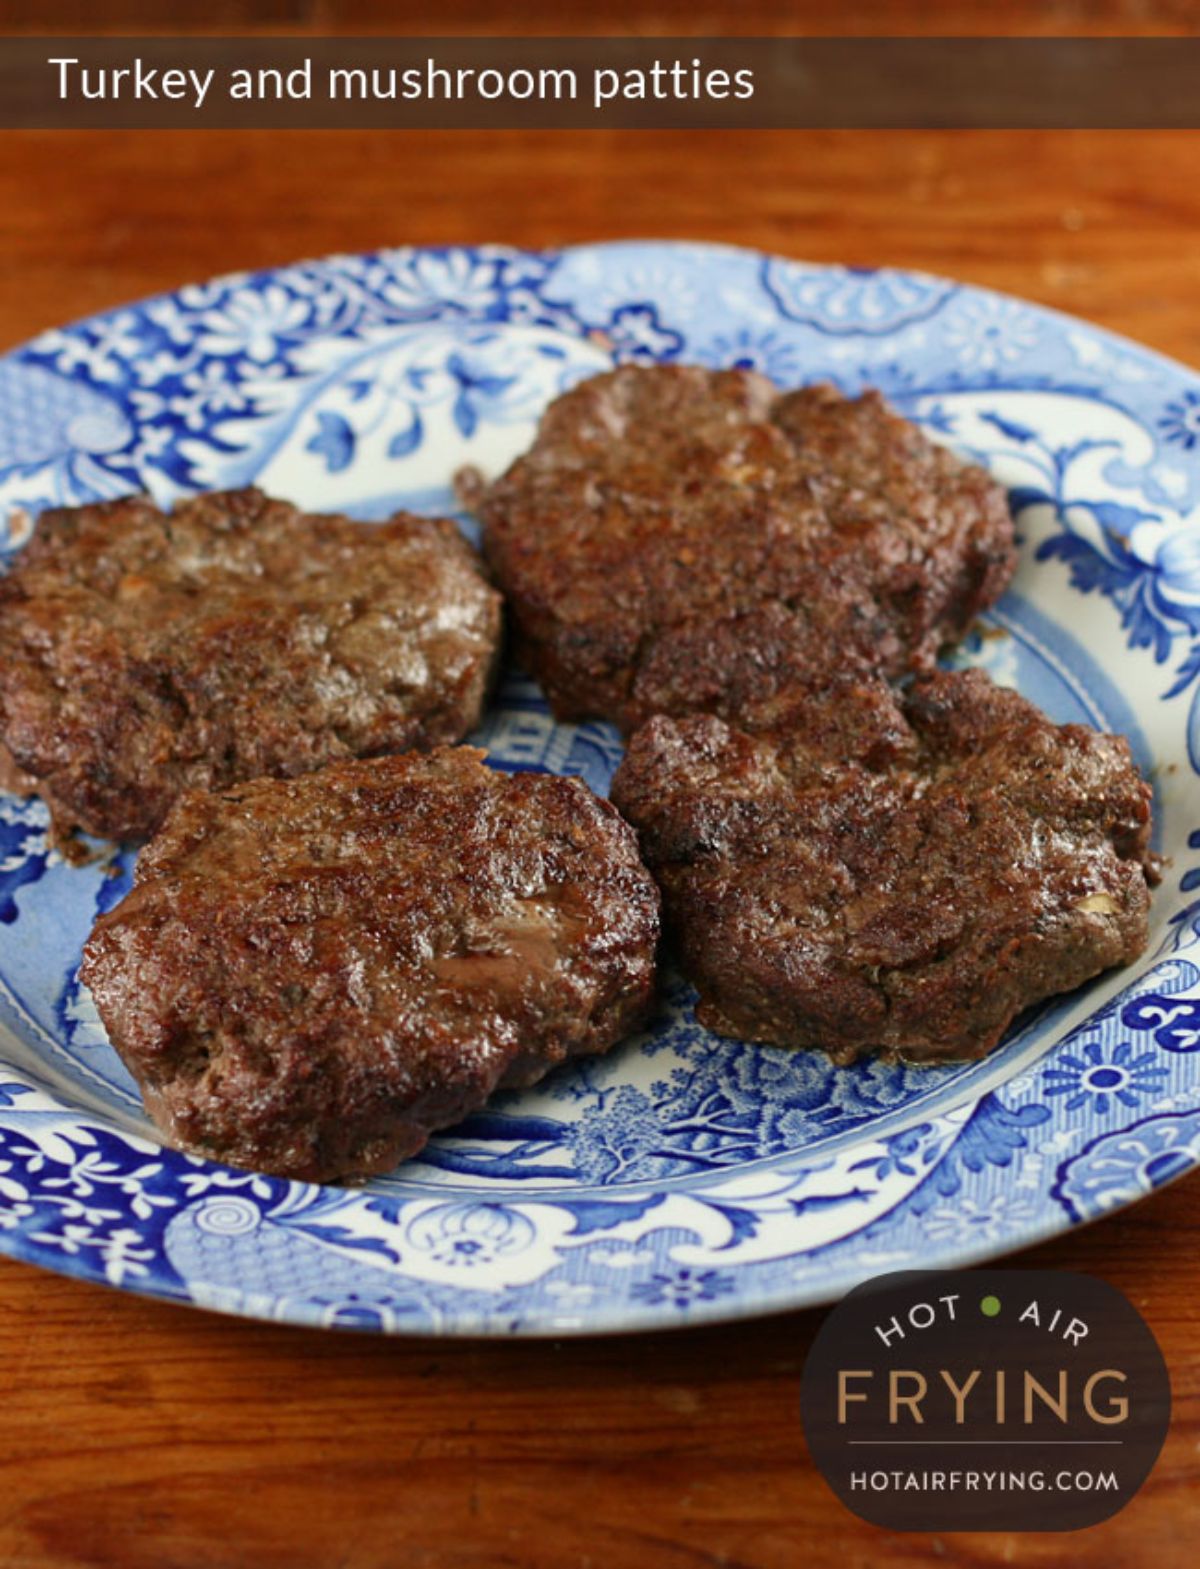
(139, 1436)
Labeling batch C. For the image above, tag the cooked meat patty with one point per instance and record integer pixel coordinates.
(144, 653)
(309, 976)
(680, 540)
(893, 873)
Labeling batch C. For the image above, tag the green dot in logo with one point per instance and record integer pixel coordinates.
(989, 1306)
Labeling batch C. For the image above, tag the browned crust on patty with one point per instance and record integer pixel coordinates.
(893, 873)
(309, 976)
(681, 540)
(145, 653)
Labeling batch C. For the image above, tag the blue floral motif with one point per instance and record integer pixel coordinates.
(970, 1223)
(469, 1235)
(682, 1288)
(334, 441)
(1180, 421)
(81, 1196)
(101, 349)
(476, 387)
(252, 322)
(769, 353)
(1106, 564)
(429, 285)
(639, 337)
(903, 1153)
(1173, 1021)
(1149, 571)
(94, 1194)
(1095, 1082)
(1122, 1166)
(993, 1136)
(852, 301)
(151, 384)
(988, 334)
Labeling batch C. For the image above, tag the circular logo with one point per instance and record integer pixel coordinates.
(985, 1400)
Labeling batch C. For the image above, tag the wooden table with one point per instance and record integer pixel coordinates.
(139, 1436)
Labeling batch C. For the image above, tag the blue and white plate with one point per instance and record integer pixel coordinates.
(684, 1177)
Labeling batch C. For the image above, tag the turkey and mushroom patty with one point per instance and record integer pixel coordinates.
(681, 540)
(143, 653)
(310, 976)
(902, 873)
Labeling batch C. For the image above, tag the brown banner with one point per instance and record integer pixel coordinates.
(597, 83)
